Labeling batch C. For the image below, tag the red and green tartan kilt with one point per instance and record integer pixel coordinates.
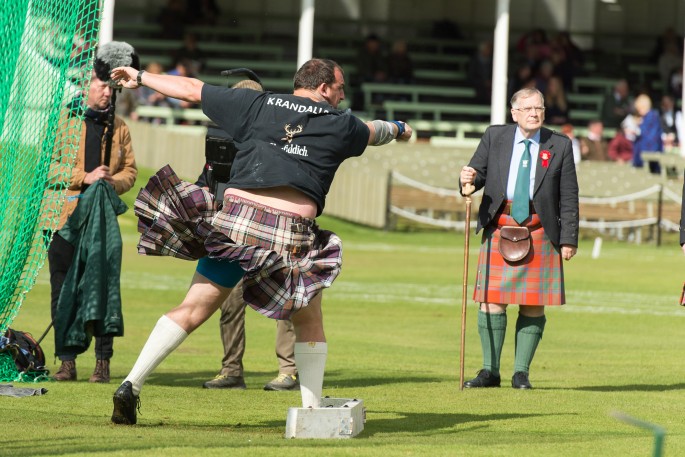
(538, 279)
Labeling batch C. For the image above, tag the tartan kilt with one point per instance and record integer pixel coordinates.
(538, 279)
(287, 259)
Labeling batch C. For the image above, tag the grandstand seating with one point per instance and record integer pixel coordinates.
(594, 84)
(395, 109)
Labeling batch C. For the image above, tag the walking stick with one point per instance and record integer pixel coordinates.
(466, 190)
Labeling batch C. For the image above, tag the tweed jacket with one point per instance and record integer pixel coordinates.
(122, 163)
(555, 194)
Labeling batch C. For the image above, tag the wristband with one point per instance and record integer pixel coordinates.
(400, 128)
(138, 78)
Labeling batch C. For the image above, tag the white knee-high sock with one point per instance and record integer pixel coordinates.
(164, 338)
(310, 359)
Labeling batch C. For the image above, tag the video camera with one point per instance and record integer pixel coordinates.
(220, 150)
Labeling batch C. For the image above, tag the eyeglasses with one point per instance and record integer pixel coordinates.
(528, 109)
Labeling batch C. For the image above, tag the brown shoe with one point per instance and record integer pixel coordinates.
(101, 373)
(66, 372)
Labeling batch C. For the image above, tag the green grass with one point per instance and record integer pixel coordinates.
(393, 326)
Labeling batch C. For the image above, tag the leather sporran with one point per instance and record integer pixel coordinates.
(514, 242)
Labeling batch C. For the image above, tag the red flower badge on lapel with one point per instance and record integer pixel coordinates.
(545, 155)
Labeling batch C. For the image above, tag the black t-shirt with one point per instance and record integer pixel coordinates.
(284, 140)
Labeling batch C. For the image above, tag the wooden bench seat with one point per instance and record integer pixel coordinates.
(593, 84)
(436, 110)
(416, 93)
(433, 74)
(215, 48)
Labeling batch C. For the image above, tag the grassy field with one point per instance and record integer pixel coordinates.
(393, 326)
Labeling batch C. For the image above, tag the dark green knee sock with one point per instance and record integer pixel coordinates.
(528, 335)
(492, 328)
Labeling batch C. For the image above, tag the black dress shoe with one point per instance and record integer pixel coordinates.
(520, 380)
(485, 378)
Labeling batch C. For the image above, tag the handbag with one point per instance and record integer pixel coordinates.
(514, 242)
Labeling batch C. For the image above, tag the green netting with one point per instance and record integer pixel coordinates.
(9, 372)
(46, 48)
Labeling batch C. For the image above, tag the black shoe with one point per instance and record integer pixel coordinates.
(485, 378)
(520, 381)
(225, 382)
(125, 405)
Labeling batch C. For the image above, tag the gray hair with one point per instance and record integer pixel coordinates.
(526, 92)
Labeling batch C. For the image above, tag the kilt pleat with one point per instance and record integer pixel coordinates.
(287, 259)
(538, 279)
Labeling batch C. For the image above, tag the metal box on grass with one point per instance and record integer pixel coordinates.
(336, 418)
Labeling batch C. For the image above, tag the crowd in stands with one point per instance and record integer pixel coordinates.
(629, 121)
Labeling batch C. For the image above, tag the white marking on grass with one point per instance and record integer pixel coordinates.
(589, 302)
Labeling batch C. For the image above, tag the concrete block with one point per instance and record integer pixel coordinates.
(336, 418)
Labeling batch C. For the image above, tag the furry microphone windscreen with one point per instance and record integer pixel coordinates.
(112, 55)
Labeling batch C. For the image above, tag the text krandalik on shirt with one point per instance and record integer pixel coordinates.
(277, 101)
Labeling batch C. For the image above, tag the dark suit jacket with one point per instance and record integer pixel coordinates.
(555, 195)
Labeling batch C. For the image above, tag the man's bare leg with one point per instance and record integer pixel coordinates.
(203, 299)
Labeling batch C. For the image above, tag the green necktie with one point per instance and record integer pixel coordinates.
(520, 209)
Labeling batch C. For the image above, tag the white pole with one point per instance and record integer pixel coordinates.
(107, 22)
(306, 33)
(498, 104)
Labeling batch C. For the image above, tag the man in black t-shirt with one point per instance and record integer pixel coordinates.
(289, 147)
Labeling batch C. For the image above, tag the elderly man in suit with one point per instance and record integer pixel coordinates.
(529, 217)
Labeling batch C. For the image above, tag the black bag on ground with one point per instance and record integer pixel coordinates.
(25, 350)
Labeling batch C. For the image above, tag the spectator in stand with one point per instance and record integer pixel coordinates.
(572, 52)
(667, 116)
(543, 75)
(669, 61)
(594, 146)
(400, 66)
(149, 97)
(535, 46)
(126, 103)
(371, 67)
(563, 68)
(172, 19)
(648, 138)
(669, 36)
(556, 104)
(675, 84)
(480, 72)
(617, 105)
(521, 78)
(447, 30)
(206, 13)
(371, 60)
(620, 148)
(567, 129)
(190, 52)
(183, 68)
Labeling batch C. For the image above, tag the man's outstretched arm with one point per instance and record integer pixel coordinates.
(180, 87)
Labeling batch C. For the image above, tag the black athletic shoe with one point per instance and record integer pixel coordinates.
(125, 405)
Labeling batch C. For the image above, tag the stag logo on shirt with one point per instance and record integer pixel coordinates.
(290, 133)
